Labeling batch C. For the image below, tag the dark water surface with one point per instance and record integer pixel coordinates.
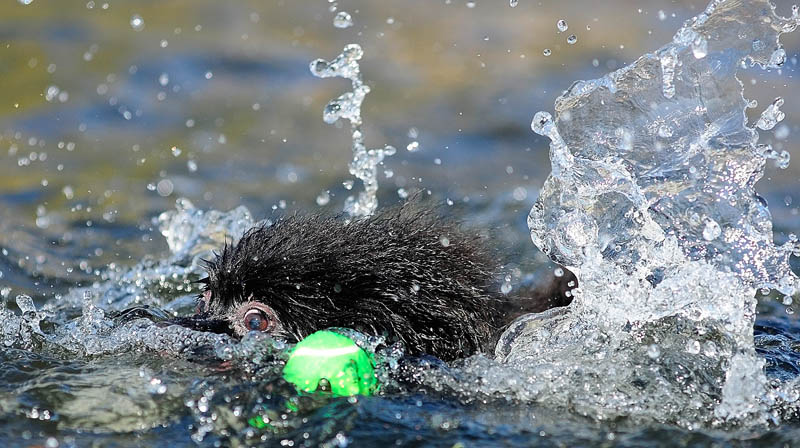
(91, 109)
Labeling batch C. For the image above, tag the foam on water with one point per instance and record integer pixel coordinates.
(651, 202)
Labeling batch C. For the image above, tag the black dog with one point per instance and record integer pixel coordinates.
(404, 273)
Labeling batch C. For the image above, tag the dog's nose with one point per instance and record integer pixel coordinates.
(201, 322)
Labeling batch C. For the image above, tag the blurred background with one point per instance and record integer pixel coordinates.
(111, 110)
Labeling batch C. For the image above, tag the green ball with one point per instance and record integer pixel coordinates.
(335, 358)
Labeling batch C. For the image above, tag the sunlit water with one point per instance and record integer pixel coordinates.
(651, 202)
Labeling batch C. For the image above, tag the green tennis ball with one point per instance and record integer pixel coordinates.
(332, 357)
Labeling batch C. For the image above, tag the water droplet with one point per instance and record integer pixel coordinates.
(546, 52)
(25, 304)
(163, 79)
(513, 3)
(771, 116)
(700, 47)
(505, 288)
(413, 146)
(323, 198)
(562, 25)
(778, 58)
(783, 160)
(26, 2)
(51, 93)
(137, 23)
(558, 272)
(542, 123)
(343, 20)
(653, 351)
(711, 230)
(319, 68)
(572, 39)
(664, 131)
(164, 187)
(332, 112)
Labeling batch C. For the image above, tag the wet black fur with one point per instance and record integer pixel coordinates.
(405, 273)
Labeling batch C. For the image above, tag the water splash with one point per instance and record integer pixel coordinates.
(638, 185)
(652, 203)
(169, 283)
(20, 331)
(348, 105)
(192, 235)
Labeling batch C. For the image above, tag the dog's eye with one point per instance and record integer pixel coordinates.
(257, 320)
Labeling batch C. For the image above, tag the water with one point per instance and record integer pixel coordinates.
(658, 347)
